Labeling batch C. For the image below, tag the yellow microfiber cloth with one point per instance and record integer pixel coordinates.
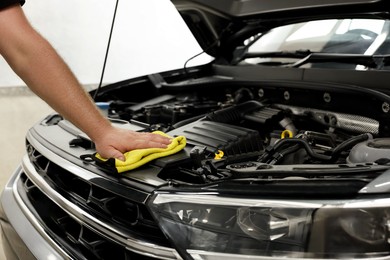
(139, 157)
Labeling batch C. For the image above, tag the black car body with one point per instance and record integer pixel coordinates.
(304, 132)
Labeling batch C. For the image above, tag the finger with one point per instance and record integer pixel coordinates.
(118, 155)
(145, 144)
(111, 153)
(156, 138)
(150, 138)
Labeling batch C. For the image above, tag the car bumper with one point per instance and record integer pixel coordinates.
(22, 236)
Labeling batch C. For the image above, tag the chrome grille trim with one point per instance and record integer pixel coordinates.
(34, 221)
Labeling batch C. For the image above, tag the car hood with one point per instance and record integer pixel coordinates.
(221, 25)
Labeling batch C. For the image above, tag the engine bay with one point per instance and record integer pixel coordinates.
(266, 132)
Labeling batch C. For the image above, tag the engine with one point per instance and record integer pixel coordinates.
(241, 136)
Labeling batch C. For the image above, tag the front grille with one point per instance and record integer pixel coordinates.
(79, 239)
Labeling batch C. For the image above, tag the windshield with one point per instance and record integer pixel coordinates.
(346, 36)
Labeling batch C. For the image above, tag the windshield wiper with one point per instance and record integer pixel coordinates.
(307, 56)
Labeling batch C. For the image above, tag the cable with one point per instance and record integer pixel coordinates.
(217, 41)
(200, 53)
(107, 50)
(193, 57)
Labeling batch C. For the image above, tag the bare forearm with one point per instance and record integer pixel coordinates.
(50, 78)
(44, 71)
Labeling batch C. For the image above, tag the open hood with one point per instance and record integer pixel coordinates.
(222, 25)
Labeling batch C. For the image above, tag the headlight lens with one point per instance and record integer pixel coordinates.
(366, 226)
(213, 227)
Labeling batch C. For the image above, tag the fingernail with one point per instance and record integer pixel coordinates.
(121, 158)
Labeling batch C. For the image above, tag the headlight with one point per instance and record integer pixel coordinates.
(366, 226)
(213, 227)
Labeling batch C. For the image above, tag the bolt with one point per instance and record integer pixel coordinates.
(327, 97)
(385, 107)
(261, 93)
(286, 95)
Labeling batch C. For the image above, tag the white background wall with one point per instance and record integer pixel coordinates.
(147, 37)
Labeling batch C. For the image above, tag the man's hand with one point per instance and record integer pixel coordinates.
(116, 141)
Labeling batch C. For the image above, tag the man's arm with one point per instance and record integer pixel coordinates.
(41, 68)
